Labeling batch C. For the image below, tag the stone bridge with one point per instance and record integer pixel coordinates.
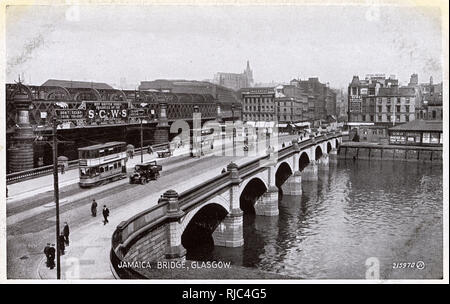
(213, 211)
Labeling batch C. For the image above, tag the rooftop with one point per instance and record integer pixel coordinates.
(77, 84)
(419, 125)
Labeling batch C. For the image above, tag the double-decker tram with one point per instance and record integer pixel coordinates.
(201, 139)
(102, 163)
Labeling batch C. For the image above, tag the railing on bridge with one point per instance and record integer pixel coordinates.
(129, 231)
(16, 177)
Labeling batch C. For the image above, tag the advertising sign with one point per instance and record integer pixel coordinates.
(106, 112)
(93, 113)
(397, 138)
(355, 104)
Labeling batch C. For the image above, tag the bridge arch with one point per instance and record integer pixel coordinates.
(303, 161)
(318, 153)
(282, 174)
(251, 190)
(199, 224)
(329, 147)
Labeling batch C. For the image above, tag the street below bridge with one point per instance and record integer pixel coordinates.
(31, 220)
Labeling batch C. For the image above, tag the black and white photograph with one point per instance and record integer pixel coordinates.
(302, 141)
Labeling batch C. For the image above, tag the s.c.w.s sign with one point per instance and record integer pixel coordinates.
(105, 111)
(94, 113)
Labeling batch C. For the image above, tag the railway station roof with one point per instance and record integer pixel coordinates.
(77, 84)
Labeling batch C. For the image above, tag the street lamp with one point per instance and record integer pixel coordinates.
(56, 195)
(142, 143)
(234, 130)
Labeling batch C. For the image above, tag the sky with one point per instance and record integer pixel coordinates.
(107, 43)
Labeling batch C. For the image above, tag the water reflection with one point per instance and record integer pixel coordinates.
(356, 210)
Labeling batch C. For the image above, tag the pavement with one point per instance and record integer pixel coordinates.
(28, 188)
(87, 257)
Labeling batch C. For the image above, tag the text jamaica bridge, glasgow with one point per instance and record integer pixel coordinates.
(166, 230)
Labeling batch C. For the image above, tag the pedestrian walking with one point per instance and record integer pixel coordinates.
(223, 170)
(51, 255)
(66, 233)
(47, 254)
(61, 243)
(150, 150)
(62, 169)
(105, 215)
(94, 208)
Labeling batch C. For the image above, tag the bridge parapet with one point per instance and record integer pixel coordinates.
(155, 233)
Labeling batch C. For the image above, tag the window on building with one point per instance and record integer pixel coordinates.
(371, 117)
(407, 117)
(380, 109)
(397, 118)
(388, 108)
(380, 118)
(398, 109)
(407, 109)
(434, 139)
(407, 100)
(434, 114)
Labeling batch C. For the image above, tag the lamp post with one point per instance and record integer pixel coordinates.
(197, 132)
(56, 195)
(234, 130)
(142, 143)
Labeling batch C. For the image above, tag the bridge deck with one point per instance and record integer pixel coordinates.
(90, 239)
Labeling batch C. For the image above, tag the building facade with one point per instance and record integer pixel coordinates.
(291, 103)
(394, 105)
(235, 81)
(380, 100)
(258, 104)
(321, 98)
(431, 101)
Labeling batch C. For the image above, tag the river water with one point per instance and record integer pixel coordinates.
(377, 212)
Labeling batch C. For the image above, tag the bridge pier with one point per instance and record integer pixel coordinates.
(229, 233)
(310, 172)
(333, 156)
(21, 152)
(267, 204)
(174, 249)
(293, 185)
(162, 129)
(324, 162)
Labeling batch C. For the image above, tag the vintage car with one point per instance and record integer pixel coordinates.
(145, 172)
